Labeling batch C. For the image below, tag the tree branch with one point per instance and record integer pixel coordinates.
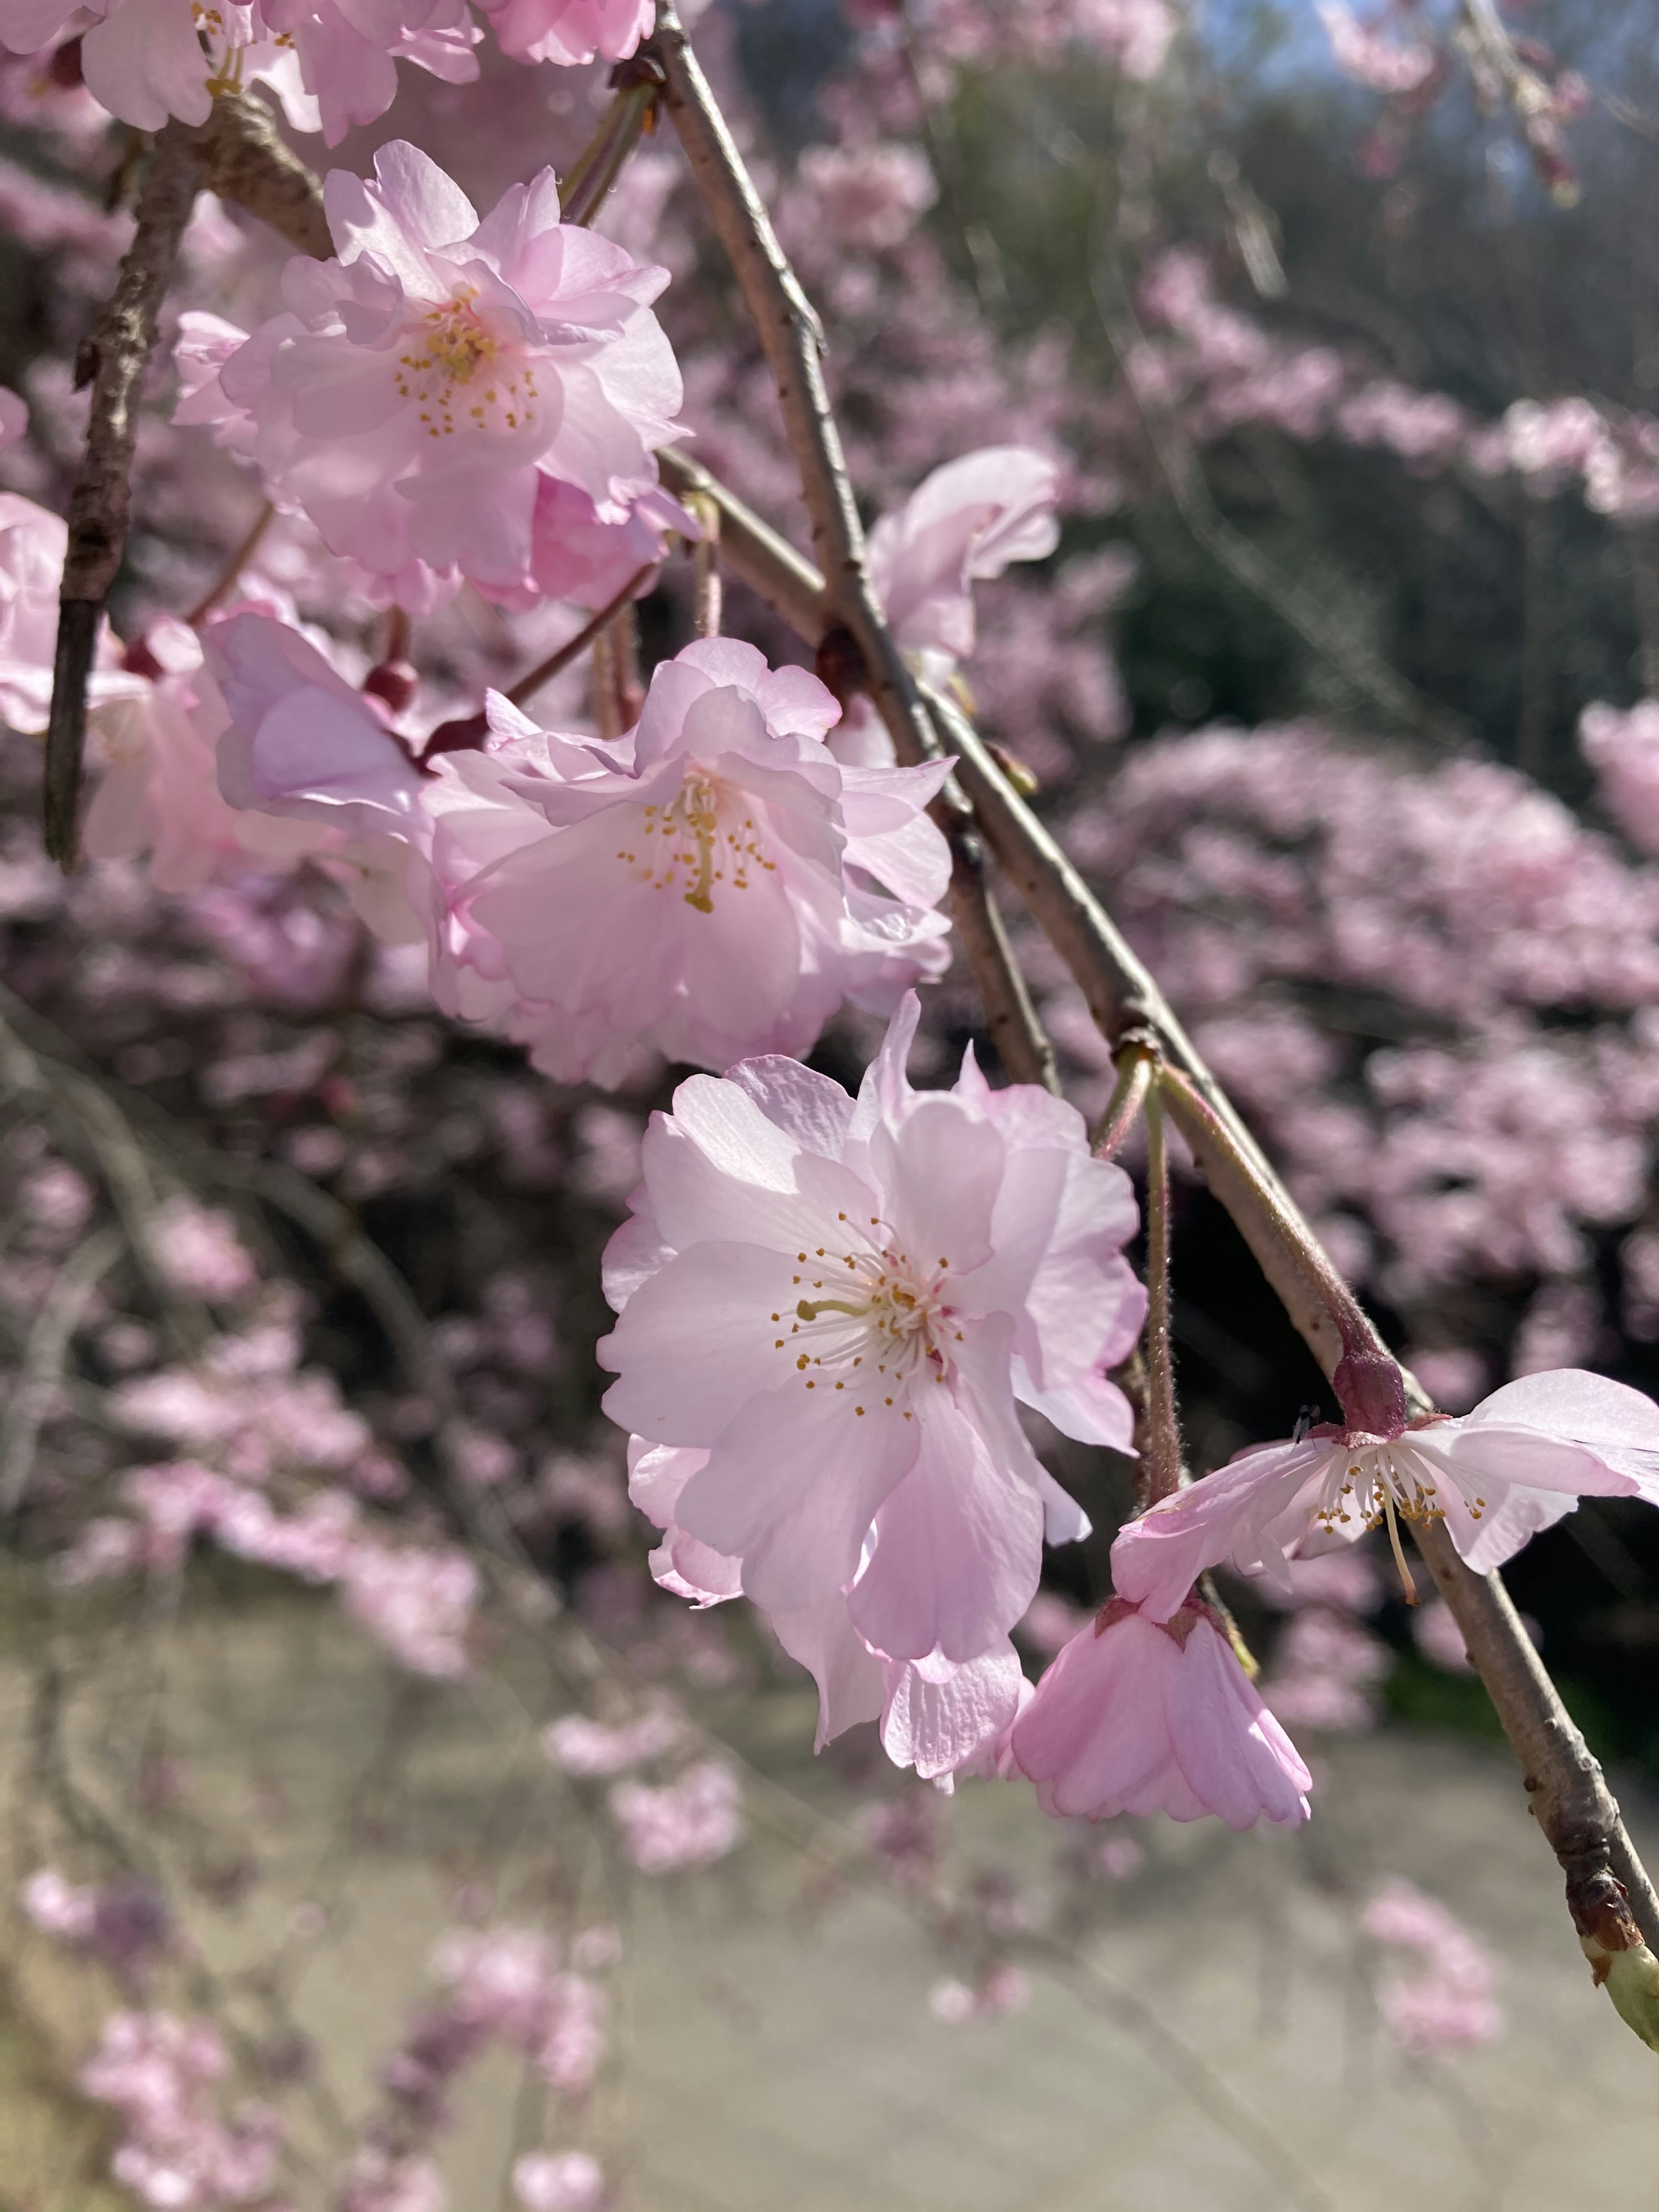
(114, 362)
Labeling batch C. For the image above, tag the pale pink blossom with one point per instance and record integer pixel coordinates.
(1446, 2004)
(559, 2181)
(331, 62)
(1363, 53)
(1622, 746)
(1003, 1991)
(32, 543)
(705, 887)
(14, 419)
(175, 2153)
(415, 389)
(869, 197)
(829, 1310)
(570, 31)
(197, 1249)
(685, 1823)
(1137, 1716)
(962, 526)
(1325, 1671)
(584, 1746)
(1520, 1460)
(420, 1603)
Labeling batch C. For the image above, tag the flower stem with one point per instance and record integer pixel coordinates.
(225, 583)
(1137, 1062)
(596, 167)
(706, 567)
(544, 670)
(1162, 1477)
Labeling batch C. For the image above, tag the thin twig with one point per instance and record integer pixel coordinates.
(562, 656)
(791, 338)
(596, 167)
(43, 1356)
(225, 583)
(114, 364)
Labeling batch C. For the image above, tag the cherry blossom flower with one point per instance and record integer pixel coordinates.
(1522, 1459)
(14, 419)
(333, 62)
(708, 885)
(32, 543)
(416, 387)
(961, 525)
(570, 32)
(827, 1311)
(1138, 1716)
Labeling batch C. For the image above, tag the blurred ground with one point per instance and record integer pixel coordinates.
(1209, 2042)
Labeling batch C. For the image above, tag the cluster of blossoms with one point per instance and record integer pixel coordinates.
(1219, 371)
(1445, 2003)
(158, 2074)
(333, 63)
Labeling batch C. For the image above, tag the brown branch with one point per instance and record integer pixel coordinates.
(244, 161)
(791, 339)
(114, 362)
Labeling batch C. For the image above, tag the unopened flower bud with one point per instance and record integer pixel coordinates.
(1371, 1392)
(394, 681)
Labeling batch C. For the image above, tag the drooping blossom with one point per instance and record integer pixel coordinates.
(333, 63)
(827, 1311)
(570, 32)
(707, 886)
(1521, 1460)
(963, 525)
(1141, 1716)
(416, 388)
